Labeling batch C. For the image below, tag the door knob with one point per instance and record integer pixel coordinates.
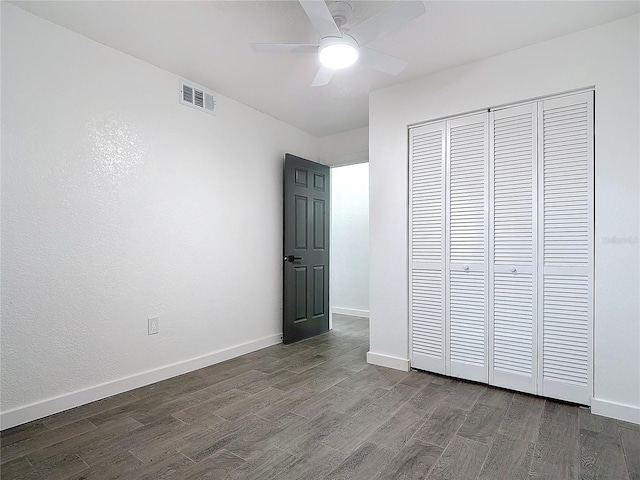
(513, 270)
(292, 258)
(466, 268)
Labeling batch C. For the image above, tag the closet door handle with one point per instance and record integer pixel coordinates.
(513, 269)
(465, 268)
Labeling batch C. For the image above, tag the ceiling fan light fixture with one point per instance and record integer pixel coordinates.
(337, 53)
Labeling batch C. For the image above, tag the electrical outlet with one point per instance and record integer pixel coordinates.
(154, 325)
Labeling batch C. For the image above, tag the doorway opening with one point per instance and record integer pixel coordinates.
(349, 259)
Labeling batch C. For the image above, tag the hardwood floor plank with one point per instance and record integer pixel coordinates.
(316, 465)
(465, 395)
(122, 466)
(285, 351)
(556, 456)
(461, 460)
(631, 444)
(61, 465)
(322, 378)
(630, 426)
(391, 401)
(601, 456)
(167, 468)
(119, 437)
(396, 432)
(418, 378)
(269, 381)
(522, 420)
(251, 404)
(21, 432)
(286, 405)
(44, 439)
(269, 466)
(496, 397)
(338, 417)
(445, 381)
(597, 423)
(248, 379)
(211, 440)
(270, 364)
(508, 459)
(147, 411)
(251, 442)
(356, 401)
(373, 376)
(194, 381)
(365, 462)
(107, 438)
(166, 444)
(353, 361)
(441, 426)
(414, 461)
(482, 423)
(199, 412)
(85, 411)
(218, 393)
(302, 440)
(349, 434)
(306, 363)
(18, 468)
(430, 397)
(322, 402)
(216, 467)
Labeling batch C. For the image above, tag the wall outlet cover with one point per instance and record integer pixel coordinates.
(153, 325)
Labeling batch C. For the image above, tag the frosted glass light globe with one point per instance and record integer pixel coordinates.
(336, 53)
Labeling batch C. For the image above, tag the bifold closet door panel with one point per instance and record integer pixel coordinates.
(566, 228)
(467, 238)
(427, 247)
(513, 303)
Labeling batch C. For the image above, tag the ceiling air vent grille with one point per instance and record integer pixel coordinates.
(197, 97)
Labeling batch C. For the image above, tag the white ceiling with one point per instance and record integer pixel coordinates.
(208, 42)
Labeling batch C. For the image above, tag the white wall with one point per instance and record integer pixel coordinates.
(118, 204)
(345, 148)
(350, 240)
(606, 57)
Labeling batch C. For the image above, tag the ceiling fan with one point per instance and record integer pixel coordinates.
(338, 48)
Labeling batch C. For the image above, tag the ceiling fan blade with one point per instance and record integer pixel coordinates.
(322, 77)
(321, 18)
(386, 21)
(284, 47)
(381, 61)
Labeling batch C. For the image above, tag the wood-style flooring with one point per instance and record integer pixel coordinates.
(316, 410)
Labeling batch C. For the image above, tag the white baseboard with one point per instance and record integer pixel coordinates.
(388, 361)
(34, 411)
(350, 311)
(619, 411)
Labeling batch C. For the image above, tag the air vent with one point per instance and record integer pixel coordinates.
(197, 97)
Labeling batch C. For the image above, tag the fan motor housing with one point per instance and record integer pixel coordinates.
(341, 12)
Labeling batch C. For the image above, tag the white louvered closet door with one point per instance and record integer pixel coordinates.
(427, 247)
(513, 302)
(467, 212)
(566, 244)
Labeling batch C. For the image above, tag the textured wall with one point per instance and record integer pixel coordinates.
(118, 203)
(606, 57)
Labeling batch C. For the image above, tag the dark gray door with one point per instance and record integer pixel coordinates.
(306, 248)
